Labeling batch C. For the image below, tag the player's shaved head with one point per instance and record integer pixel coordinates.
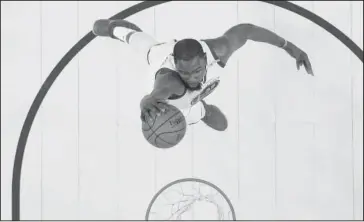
(187, 49)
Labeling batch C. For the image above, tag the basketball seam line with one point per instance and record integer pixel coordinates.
(157, 137)
(161, 124)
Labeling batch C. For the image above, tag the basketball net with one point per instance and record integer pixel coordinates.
(190, 199)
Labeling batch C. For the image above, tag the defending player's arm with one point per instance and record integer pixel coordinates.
(235, 37)
(165, 86)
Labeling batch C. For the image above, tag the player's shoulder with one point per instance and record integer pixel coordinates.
(219, 48)
(166, 73)
(166, 76)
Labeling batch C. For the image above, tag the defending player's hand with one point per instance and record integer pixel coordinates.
(151, 107)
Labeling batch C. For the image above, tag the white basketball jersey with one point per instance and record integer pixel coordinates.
(162, 57)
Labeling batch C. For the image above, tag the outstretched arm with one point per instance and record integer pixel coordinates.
(239, 34)
(234, 38)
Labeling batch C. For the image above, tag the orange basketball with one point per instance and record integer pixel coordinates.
(166, 130)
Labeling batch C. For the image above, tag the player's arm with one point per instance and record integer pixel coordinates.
(238, 35)
(235, 37)
(165, 85)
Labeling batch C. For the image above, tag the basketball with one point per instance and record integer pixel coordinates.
(166, 130)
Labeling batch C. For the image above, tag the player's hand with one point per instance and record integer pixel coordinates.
(151, 107)
(300, 57)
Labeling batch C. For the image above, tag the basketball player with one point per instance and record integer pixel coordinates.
(180, 68)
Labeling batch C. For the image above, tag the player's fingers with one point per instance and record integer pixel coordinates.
(147, 112)
(144, 111)
(150, 107)
(162, 107)
(155, 110)
(308, 66)
(145, 116)
(298, 64)
(158, 107)
(149, 115)
(142, 116)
